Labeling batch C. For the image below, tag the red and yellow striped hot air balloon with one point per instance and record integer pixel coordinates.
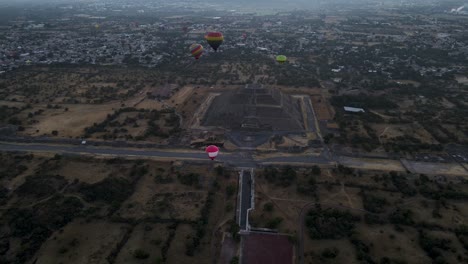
(196, 50)
(214, 39)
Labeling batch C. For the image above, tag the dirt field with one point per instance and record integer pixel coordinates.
(372, 164)
(452, 215)
(147, 237)
(69, 123)
(86, 171)
(82, 242)
(436, 168)
(149, 192)
(386, 241)
(414, 83)
(176, 253)
(314, 248)
(322, 108)
(386, 132)
(267, 248)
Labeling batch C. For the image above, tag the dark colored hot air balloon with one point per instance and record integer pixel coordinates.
(214, 39)
(196, 50)
(212, 151)
(281, 59)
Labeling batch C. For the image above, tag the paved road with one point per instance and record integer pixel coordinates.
(246, 197)
(176, 154)
(238, 159)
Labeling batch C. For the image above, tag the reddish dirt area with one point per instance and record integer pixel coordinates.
(228, 250)
(267, 249)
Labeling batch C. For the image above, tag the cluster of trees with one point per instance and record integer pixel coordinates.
(39, 185)
(200, 226)
(165, 248)
(192, 179)
(409, 144)
(330, 223)
(462, 235)
(112, 190)
(434, 246)
(373, 203)
(35, 225)
(283, 178)
(153, 128)
(440, 192)
(309, 187)
(12, 167)
(101, 127)
(362, 251)
(401, 217)
(401, 184)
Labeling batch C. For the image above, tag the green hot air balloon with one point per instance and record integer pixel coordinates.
(281, 59)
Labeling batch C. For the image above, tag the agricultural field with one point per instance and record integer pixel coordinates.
(86, 210)
(363, 215)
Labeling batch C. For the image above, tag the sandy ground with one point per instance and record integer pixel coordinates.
(182, 95)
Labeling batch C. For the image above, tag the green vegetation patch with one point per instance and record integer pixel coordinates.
(330, 223)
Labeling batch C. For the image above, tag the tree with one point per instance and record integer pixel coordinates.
(234, 260)
(230, 190)
(220, 170)
(268, 207)
(274, 223)
(140, 254)
(316, 170)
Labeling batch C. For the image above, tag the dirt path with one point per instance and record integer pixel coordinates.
(195, 122)
(47, 199)
(383, 132)
(343, 190)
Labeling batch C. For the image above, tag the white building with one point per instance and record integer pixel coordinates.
(354, 109)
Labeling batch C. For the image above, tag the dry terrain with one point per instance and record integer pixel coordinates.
(388, 215)
(89, 210)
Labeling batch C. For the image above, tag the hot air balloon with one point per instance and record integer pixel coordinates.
(214, 39)
(212, 151)
(196, 50)
(281, 59)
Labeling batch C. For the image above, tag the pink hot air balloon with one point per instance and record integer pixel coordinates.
(212, 151)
